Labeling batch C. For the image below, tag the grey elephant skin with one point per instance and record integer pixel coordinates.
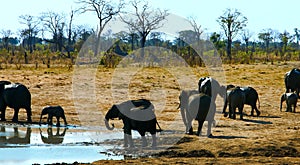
(54, 111)
(236, 99)
(292, 81)
(15, 96)
(251, 98)
(136, 115)
(211, 87)
(191, 109)
(291, 101)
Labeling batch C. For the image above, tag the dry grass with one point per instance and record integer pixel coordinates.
(255, 140)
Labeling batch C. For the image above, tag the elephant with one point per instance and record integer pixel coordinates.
(292, 81)
(136, 115)
(291, 101)
(236, 99)
(211, 87)
(57, 138)
(184, 104)
(15, 96)
(52, 111)
(251, 97)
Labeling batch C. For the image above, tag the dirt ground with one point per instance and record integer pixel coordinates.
(87, 93)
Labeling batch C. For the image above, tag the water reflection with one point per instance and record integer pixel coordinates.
(15, 136)
(51, 138)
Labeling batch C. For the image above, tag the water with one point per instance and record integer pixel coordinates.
(34, 144)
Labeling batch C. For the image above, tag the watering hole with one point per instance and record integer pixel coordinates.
(34, 144)
(29, 144)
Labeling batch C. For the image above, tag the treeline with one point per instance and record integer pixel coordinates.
(52, 38)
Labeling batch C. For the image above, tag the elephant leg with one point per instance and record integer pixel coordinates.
(2, 118)
(241, 112)
(189, 127)
(57, 121)
(154, 144)
(252, 110)
(295, 105)
(209, 134)
(15, 118)
(64, 118)
(200, 125)
(230, 111)
(28, 111)
(144, 141)
(128, 138)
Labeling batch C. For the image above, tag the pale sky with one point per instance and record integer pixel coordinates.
(262, 14)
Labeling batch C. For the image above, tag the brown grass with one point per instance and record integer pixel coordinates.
(271, 138)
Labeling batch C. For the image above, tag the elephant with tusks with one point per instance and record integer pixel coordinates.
(291, 101)
(136, 115)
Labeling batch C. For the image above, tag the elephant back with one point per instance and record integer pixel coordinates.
(184, 97)
(17, 96)
(139, 110)
(292, 79)
(238, 95)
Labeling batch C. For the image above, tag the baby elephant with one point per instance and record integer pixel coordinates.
(291, 100)
(56, 111)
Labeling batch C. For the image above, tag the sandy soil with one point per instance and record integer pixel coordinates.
(87, 93)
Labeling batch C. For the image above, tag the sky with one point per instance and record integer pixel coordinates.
(262, 14)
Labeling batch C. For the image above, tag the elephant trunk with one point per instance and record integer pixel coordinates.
(107, 125)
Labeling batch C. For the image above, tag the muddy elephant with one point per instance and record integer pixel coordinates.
(236, 99)
(15, 96)
(292, 81)
(291, 101)
(201, 108)
(211, 87)
(51, 138)
(251, 98)
(54, 111)
(136, 115)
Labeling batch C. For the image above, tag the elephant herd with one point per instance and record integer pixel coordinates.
(17, 96)
(139, 114)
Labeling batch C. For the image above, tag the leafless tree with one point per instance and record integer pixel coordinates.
(6, 34)
(105, 10)
(197, 28)
(55, 24)
(246, 35)
(144, 19)
(31, 30)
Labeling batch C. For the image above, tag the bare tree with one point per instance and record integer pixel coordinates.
(144, 19)
(105, 10)
(246, 35)
(232, 21)
(197, 28)
(6, 34)
(55, 24)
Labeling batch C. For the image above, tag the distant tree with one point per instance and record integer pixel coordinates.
(144, 20)
(231, 21)
(246, 35)
(266, 36)
(197, 29)
(5, 39)
(55, 24)
(105, 11)
(284, 37)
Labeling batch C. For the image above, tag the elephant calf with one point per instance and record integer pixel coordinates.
(52, 111)
(236, 99)
(291, 100)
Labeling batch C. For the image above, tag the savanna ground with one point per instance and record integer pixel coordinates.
(272, 138)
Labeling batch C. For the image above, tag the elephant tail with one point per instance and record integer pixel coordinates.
(159, 130)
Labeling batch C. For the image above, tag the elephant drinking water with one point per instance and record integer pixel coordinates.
(136, 115)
